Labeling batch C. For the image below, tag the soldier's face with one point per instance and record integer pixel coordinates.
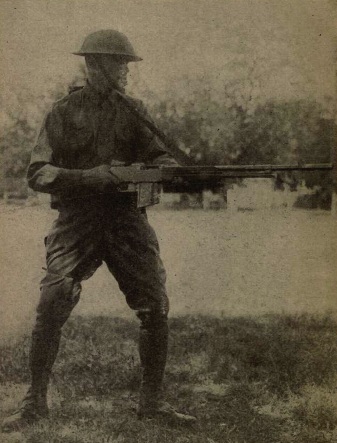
(118, 69)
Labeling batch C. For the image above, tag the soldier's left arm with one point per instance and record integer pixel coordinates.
(150, 149)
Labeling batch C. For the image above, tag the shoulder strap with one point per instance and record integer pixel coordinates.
(170, 144)
(72, 89)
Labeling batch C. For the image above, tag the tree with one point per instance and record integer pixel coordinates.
(225, 128)
(21, 119)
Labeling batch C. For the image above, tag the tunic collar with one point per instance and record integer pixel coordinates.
(94, 95)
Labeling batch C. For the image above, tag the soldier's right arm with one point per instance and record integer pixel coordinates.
(45, 171)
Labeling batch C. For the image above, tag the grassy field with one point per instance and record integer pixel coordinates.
(246, 263)
(247, 380)
(253, 349)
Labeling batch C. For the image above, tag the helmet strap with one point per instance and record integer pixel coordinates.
(171, 145)
(106, 74)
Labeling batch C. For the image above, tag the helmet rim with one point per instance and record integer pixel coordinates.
(132, 58)
(108, 42)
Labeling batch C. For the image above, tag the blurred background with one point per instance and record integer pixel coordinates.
(234, 81)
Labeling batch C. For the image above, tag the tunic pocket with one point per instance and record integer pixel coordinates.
(79, 137)
(79, 145)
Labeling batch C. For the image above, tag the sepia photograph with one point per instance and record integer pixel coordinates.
(168, 221)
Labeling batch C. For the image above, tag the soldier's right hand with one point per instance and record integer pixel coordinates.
(100, 179)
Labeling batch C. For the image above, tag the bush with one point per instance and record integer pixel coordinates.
(228, 129)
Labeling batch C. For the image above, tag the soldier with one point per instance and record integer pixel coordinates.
(82, 136)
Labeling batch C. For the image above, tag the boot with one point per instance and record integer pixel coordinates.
(33, 408)
(153, 343)
(44, 347)
(166, 411)
(152, 405)
(59, 295)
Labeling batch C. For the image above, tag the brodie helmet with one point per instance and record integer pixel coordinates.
(108, 41)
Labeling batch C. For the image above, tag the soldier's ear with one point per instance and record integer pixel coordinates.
(91, 62)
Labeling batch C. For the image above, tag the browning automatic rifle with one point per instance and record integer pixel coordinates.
(148, 181)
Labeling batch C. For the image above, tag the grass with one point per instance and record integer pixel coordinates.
(265, 379)
(247, 376)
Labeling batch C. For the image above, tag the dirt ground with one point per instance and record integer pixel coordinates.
(232, 264)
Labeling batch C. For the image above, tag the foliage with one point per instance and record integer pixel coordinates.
(228, 130)
(232, 127)
(20, 124)
(22, 116)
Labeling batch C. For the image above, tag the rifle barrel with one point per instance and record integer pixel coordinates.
(276, 168)
(235, 171)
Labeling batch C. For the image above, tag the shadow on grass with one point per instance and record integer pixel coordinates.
(283, 352)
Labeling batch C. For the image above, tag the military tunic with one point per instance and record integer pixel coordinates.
(82, 131)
